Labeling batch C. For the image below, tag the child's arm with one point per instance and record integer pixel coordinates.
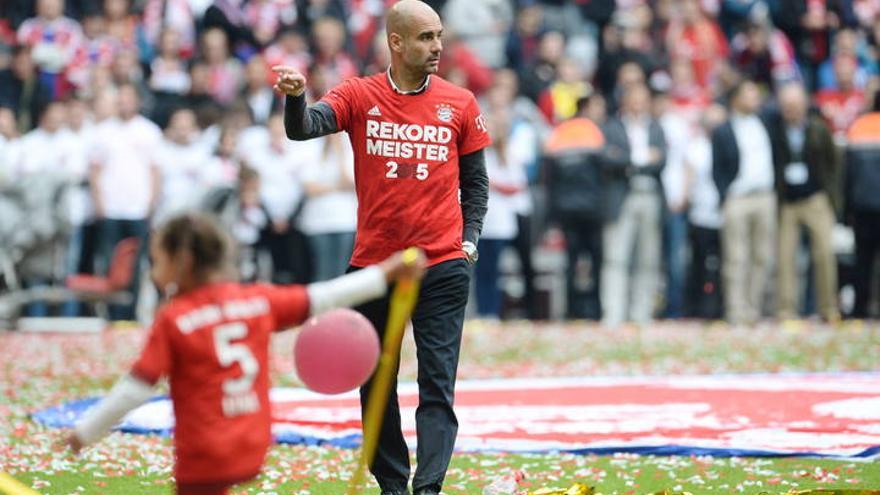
(293, 305)
(346, 291)
(363, 285)
(128, 393)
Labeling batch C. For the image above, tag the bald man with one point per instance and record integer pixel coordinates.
(421, 181)
(807, 165)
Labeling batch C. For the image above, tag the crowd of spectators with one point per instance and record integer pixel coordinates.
(680, 146)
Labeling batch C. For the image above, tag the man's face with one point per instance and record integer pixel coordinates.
(77, 113)
(845, 71)
(420, 46)
(50, 9)
(690, 11)
(53, 118)
(637, 101)
(182, 127)
(793, 105)
(129, 102)
(748, 100)
(757, 37)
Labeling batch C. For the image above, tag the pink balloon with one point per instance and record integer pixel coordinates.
(336, 351)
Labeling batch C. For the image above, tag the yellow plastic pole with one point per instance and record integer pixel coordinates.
(400, 308)
(11, 486)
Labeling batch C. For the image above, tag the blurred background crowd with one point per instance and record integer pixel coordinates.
(651, 158)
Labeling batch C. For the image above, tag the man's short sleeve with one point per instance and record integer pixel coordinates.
(289, 305)
(474, 134)
(341, 99)
(155, 359)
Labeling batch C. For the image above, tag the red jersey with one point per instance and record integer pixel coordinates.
(406, 150)
(213, 344)
(840, 108)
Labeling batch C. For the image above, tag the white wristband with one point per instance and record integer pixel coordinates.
(348, 290)
(128, 393)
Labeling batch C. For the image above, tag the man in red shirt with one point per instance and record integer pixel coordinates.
(421, 181)
(841, 106)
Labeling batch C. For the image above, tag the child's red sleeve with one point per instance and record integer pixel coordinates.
(289, 305)
(155, 360)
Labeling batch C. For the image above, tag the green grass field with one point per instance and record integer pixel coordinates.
(39, 371)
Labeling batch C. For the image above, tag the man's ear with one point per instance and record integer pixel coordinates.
(395, 42)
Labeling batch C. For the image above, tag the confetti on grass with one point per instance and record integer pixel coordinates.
(38, 371)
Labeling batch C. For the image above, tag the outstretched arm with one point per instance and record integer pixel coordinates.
(367, 284)
(293, 305)
(302, 122)
(128, 393)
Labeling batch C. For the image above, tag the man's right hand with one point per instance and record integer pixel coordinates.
(290, 81)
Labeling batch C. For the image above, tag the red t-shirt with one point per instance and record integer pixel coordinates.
(840, 108)
(406, 150)
(213, 344)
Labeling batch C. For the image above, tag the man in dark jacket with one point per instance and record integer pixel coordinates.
(806, 165)
(22, 90)
(635, 155)
(742, 167)
(573, 171)
(862, 203)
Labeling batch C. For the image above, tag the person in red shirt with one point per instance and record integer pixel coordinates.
(695, 37)
(211, 339)
(421, 180)
(841, 106)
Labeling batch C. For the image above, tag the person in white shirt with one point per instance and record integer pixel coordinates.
(183, 162)
(677, 130)
(44, 149)
(125, 182)
(79, 136)
(507, 180)
(742, 166)
(528, 128)
(223, 166)
(260, 98)
(45, 152)
(329, 216)
(279, 163)
(243, 214)
(635, 159)
(704, 220)
(8, 143)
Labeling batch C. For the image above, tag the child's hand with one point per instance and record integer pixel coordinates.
(73, 443)
(407, 264)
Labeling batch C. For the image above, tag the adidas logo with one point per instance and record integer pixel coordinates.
(375, 111)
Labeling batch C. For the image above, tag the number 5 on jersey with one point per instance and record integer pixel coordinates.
(406, 170)
(238, 394)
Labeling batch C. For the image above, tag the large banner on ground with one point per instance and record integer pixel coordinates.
(735, 415)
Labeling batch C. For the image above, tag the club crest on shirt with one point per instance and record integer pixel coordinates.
(480, 122)
(444, 112)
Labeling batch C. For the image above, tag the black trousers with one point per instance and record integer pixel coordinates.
(437, 326)
(523, 245)
(583, 236)
(704, 280)
(866, 227)
(291, 259)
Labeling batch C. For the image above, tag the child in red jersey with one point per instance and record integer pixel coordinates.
(211, 339)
